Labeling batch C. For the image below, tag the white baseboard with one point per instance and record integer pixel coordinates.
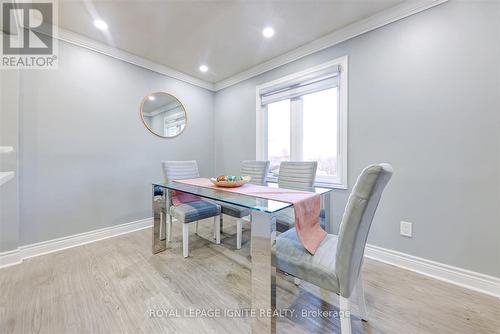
(10, 258)
(465, 278)
(24, 252)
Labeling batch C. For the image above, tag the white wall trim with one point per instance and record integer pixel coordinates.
(6, 177)
(82, 41)
(373, 22)
(25, 252)
(10, 258)
(465, 278)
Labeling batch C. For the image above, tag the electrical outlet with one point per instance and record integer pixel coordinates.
(405, 229)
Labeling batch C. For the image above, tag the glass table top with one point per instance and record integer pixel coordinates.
(250, 202)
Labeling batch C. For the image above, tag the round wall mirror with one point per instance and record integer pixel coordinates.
(163, 114)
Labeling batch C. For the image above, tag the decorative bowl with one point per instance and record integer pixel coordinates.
(230, 181)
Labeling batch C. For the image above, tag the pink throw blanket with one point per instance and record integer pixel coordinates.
(306, 207)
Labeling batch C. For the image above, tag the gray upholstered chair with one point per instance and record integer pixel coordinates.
(258, 171)
(297, 175)
(190, 212)
(337, 263)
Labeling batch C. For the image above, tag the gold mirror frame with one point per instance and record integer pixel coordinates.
(141, 113)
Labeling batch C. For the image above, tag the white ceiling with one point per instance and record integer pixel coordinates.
(225, 35)
(161, 100)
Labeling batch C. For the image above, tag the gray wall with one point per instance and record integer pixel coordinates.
(9, 136)
(87, 161)
(424, 96)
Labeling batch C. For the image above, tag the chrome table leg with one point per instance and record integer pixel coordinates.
(159, 222)
(263, 273)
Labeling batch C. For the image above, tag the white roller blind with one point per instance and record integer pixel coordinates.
(307, 84)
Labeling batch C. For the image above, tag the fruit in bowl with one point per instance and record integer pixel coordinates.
(230, 181)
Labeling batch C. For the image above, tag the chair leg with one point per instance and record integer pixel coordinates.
(360, 294)
(345, 316)
(185, 239)
(169, 228)
(221, 223)
(239, 228)
(217, 230)
(196, 228)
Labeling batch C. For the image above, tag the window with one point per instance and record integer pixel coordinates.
(173, 127)
(304, 117)
(174, 121)
(278, 134)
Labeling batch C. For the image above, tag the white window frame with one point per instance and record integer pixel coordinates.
(341, 181)
(167, 125)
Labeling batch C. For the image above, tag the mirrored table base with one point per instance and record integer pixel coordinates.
(263, 273)
(159, 222)
(263, 262)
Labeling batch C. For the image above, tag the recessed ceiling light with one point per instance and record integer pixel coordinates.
(204, 68)
(101, 25)
(151, 98)
(268, 32)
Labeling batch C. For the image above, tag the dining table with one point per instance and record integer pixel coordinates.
(263, 227)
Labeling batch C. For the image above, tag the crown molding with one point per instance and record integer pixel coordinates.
(373, 22)
(85, 42)
(403, 10)
(111, 51)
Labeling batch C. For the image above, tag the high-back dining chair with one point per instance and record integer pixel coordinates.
(297, 175)
(191, 212)
(258, 171)
(337, 263)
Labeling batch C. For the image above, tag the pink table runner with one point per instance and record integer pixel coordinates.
(179, 198)
(306, 206)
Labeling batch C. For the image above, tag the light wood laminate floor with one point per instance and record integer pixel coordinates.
(112, 286)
